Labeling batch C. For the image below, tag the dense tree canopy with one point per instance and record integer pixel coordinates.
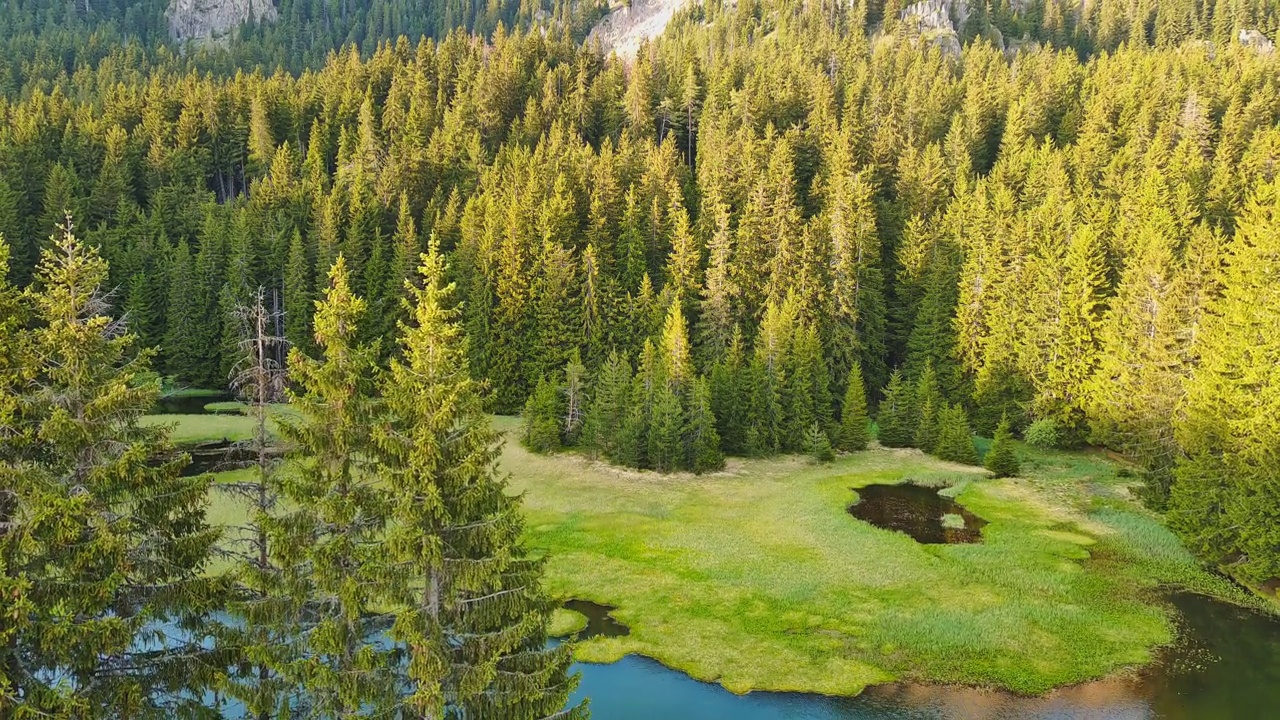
(777, 221)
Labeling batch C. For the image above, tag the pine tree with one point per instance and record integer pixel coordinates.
(702, 442)
(896, 421)
(96, 582)
(610, 406)
(955, 439)
(666, 427)
(855, 426)
(331, 544)
(470, 610)
(1225, 500)
(542, 419)
(1002, 459)
(928, 404)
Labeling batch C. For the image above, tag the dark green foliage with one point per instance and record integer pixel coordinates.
(928, 404)
(1042, 434)
(666, 426)
(955, 439)
(330, 540)
(855, 426)
(469, 608)
(702, 442)
(1001, 395)
(93, 582)
(896, 421)
(610, 408)
(541, 418)
(1002, 459)
(818, 445)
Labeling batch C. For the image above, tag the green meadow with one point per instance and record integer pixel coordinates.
(757, 578)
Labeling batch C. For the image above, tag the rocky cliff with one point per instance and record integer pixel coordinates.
(212, 20)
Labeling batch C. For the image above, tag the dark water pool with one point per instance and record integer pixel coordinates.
(1226, 665)
(188, 404)
(918, 512)
(599, 622)
(216, 457)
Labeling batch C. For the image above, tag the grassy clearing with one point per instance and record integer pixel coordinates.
(193, 429)
(758, 579)
(221, 427)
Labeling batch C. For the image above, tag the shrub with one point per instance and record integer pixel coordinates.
(818, 445)
(1043, 433)
(1001, 459)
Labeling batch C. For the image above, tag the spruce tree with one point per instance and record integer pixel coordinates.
(1225, 501)
(666, 428)
(610, 406)
(542, 418)
(702, 442)
(114, 542)
(855, 426)
(955, 439)
(1002, 459)
(928, 404)
(728, 401)
(895, 420)
(331, 544)
(470, 610)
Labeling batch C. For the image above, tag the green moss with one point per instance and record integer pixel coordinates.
(953, 521)
(566, 622)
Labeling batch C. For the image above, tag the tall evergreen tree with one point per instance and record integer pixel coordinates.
(896, 420)
(1225, 501)
(113, 538)
(702, 442)
(331, 543)
(470, 608)
(855, 426)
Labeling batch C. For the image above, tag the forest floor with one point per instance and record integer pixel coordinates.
(757, 578)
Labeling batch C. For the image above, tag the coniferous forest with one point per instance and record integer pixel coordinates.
(777, 223)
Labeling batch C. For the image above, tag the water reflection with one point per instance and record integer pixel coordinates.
(918, 512)
(1226, 664)
(599, 622)
(189, 404)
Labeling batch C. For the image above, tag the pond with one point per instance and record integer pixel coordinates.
(188, 404)
(1226, 664)
(599, 622)
(216, 457)
(917, 511)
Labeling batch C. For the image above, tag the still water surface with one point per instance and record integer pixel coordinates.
(1226, 665)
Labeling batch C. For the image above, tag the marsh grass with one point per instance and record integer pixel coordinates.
(755, 576)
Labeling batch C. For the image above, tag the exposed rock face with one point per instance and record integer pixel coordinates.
(214, 19)
(935, 22)
(624, 28)
(1257, 41)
